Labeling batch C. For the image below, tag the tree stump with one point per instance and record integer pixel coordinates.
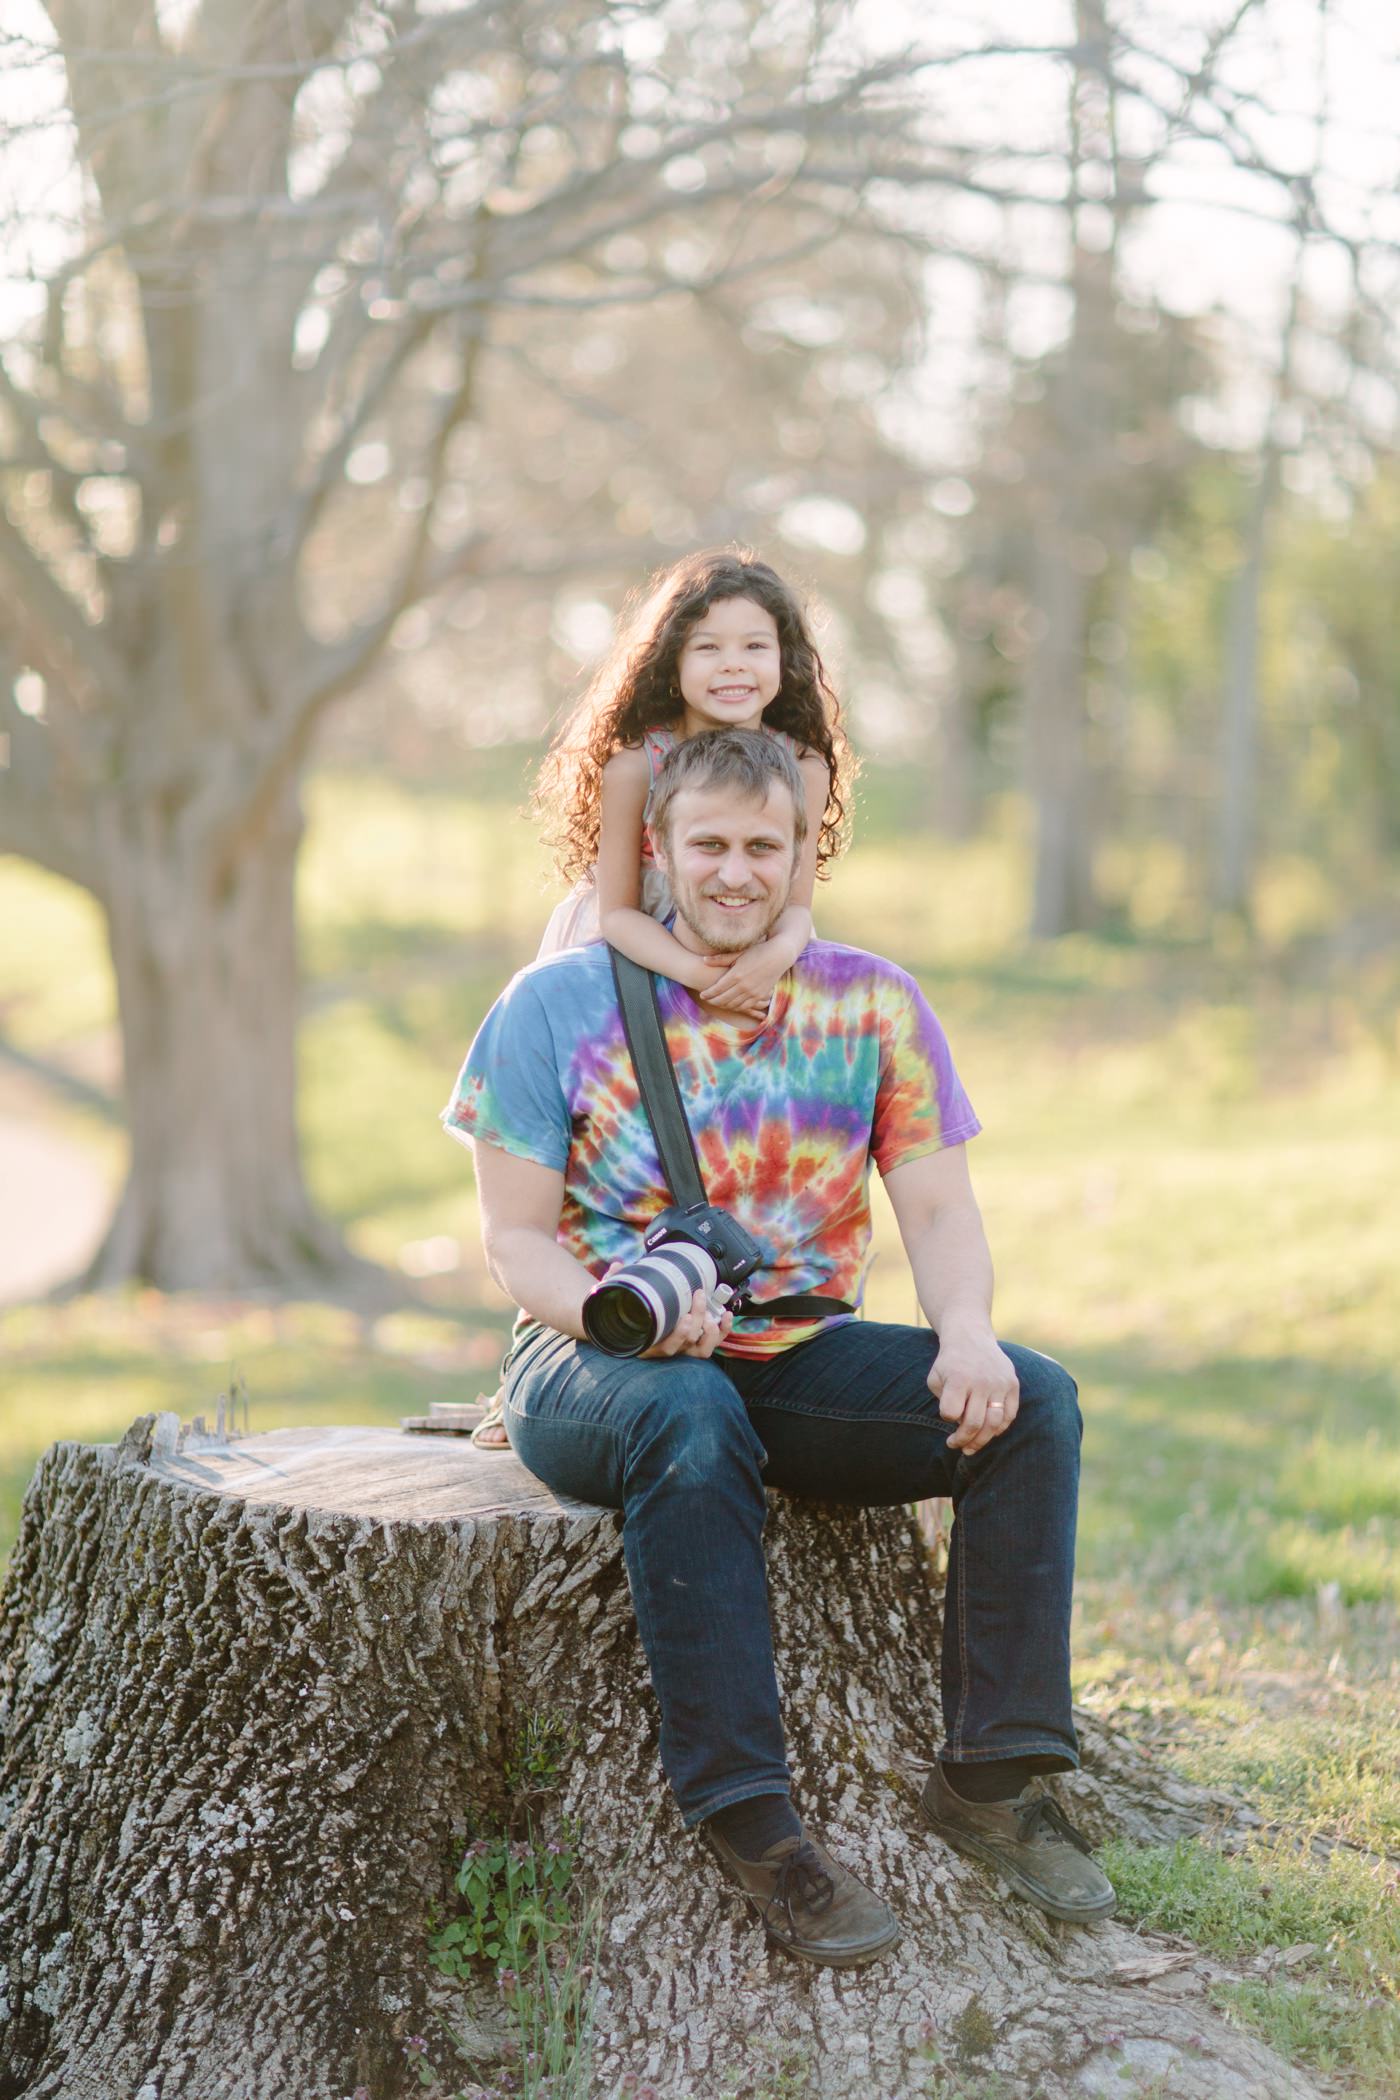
(258, 1694)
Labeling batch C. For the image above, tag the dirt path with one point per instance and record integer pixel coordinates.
(55, 1194)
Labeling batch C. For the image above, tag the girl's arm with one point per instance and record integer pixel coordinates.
(755, 973)
(621, 921)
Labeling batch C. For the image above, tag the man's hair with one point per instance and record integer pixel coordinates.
(742, 759)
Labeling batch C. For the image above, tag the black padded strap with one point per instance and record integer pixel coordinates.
(805, 1305)
(656, 1079)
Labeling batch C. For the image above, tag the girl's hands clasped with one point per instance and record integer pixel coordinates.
(747, 982)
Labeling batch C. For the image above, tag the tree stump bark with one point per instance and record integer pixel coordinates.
(257, 1695)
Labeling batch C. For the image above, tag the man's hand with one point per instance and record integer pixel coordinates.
(698, 1332)
(975, 1386)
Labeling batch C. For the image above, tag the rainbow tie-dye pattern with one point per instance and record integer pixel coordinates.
(851, 1066)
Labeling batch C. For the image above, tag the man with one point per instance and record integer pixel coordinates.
(849, 1066)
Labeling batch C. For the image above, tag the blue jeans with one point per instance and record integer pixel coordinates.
(685, 1447)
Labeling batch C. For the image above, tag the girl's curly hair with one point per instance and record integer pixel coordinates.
(634, 689)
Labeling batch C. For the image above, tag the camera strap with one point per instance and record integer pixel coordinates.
(659, 1088)
(656, 1079)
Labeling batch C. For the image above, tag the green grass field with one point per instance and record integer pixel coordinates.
(1191, 1175)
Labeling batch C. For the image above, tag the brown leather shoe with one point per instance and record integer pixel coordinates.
(1030, 1843)
(810, 1904)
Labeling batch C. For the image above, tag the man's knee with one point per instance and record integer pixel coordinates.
(692, 1420)
(1049, 1404)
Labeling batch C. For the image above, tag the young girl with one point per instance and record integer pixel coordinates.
(718, 641)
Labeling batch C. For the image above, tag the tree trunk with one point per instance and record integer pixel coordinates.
(955, 800)
(1239, 739)
(1062, 895)
(258, 1695)
(1056, 737)
(204, 949)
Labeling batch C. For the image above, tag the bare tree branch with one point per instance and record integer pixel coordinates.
(47, 602)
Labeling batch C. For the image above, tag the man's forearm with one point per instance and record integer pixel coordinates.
(952, 1267)
(544, 1279)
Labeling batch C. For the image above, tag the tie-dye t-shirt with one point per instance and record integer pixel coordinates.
(850, 1066)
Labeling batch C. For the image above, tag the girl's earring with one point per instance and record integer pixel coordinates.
(673, 691)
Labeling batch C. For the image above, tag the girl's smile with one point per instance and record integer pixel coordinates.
(729, 667)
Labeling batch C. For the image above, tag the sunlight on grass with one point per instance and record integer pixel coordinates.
(41, 1002)
(1347, 1483)
(382, 855)
(1326, 1754)
(1269, 1896)
(967, 901)
(1363, 1563)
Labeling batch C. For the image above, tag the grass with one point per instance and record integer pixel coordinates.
(1191, 1175)
(1273, 1895)
(1334, 1919)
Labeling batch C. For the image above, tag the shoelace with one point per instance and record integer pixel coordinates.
(801, 1877)
(1044, 1814)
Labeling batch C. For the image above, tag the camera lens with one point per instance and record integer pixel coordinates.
(616, 1319)
(640, 1305)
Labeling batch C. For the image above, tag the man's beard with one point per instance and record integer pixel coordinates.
(722, 942)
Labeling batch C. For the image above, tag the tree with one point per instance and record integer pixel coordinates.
(292, 241)
(1130, 109)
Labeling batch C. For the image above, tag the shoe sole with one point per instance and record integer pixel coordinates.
(964, 1841)
(857, 1960)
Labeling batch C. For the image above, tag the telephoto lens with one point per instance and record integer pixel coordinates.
(639, 1305)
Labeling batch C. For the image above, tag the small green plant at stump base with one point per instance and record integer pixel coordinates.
(519, 1918)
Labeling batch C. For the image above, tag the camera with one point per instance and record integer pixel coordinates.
(699, 1249)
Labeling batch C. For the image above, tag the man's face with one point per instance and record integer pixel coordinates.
(730, 861)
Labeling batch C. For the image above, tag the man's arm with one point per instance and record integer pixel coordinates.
(941, 1227)
(521, 1203)
(520, 1206)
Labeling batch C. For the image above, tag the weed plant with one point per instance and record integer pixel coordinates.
(521, 1920)
(515, 1893)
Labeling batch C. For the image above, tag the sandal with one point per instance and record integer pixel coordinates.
(490, 1432)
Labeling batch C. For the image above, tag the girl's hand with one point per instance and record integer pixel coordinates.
(748, 984)
(707, 972)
